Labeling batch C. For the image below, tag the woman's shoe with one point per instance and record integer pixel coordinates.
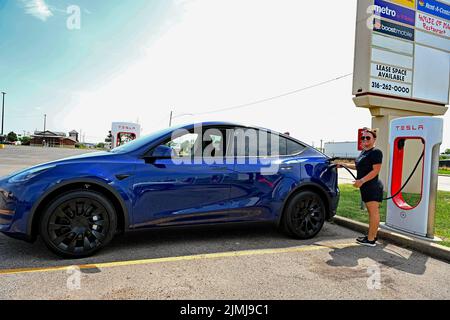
(366, 242)
(363, 237)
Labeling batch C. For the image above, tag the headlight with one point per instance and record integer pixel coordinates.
(29, 174)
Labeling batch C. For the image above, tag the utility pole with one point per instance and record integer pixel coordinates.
(3, 112)
(45, 128)
(321, 145)
(170, 119)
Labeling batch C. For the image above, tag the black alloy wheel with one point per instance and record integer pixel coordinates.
(304, 215)
(79, 223)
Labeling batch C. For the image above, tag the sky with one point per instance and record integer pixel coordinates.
(139, 60)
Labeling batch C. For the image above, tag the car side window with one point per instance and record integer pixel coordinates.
(184, 146)
(286, 147)
(213, 142)
(243, 142)
(276, 145)
(248, 142)
(293, 147)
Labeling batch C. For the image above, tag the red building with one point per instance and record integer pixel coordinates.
(53, 139)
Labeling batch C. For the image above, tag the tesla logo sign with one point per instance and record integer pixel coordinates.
(411, 127)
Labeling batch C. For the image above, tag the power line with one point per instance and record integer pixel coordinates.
(240, 106)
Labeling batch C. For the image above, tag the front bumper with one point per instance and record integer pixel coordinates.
(11, 214)
(7, 208)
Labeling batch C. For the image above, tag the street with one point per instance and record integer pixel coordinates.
(227, 262)
(247, 261)
(14, 158)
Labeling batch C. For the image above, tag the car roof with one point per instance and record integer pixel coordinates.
(237, 124)
(234, 124)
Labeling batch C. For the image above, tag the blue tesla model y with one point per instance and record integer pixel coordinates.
(209, 173)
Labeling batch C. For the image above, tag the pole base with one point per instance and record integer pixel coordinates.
(412, 235)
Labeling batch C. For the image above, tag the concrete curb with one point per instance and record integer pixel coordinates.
(429, 248)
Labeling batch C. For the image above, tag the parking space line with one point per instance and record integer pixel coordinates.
(205, 256)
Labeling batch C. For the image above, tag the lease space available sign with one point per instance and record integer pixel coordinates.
(432, 24)
(387, 72)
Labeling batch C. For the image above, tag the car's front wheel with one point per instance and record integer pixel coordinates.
(304, 215)
(78, 224)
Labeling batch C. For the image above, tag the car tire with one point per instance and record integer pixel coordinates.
(304, 215)
(78, 223)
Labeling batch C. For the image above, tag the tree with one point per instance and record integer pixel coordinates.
(25, 140)
(447, 151)
(109, 138)
(11, 137)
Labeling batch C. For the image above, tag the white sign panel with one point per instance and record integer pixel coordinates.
(431, 74)
(432, 24)
(432, 41)
(392, 58)
(390, 88)
(391, 73)
(392, 44)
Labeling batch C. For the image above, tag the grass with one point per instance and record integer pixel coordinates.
(349, 207)
(444, 171)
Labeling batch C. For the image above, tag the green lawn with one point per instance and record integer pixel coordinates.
(444, 171)
(349, 207)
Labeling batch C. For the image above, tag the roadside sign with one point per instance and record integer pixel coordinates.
(403, 50)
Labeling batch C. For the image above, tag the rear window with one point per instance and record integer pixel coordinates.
(293, 147)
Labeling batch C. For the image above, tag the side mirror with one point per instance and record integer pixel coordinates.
(162, 152)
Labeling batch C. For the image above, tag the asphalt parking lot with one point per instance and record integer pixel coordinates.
(252, 261)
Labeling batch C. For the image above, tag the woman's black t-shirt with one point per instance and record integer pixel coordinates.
(365, 162)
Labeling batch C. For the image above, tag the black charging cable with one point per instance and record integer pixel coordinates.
(397, 193)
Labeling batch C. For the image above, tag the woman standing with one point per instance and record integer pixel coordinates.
(368, 166)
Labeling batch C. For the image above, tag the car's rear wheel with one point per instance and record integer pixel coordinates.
(304, 215)
(78, 224)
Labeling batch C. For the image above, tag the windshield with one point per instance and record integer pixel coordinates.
(141, 142)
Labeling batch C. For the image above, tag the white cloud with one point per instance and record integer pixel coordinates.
(37, 8)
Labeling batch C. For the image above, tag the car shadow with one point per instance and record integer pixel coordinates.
(413, 263)
(194, 240)
(162, 243)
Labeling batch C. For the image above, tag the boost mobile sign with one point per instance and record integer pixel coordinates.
(393, 29)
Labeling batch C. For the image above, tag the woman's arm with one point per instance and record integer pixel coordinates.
(350, 166)
(372, 174)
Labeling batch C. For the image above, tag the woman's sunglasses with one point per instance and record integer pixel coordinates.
(366, 138)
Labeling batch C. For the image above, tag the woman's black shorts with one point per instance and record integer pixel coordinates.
(372, 191)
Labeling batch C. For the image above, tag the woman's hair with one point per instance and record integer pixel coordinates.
(373, 132)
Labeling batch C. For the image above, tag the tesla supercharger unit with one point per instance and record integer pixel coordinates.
(422, 134)
(123, 132)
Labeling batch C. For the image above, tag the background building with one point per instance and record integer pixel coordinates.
(53, 139)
